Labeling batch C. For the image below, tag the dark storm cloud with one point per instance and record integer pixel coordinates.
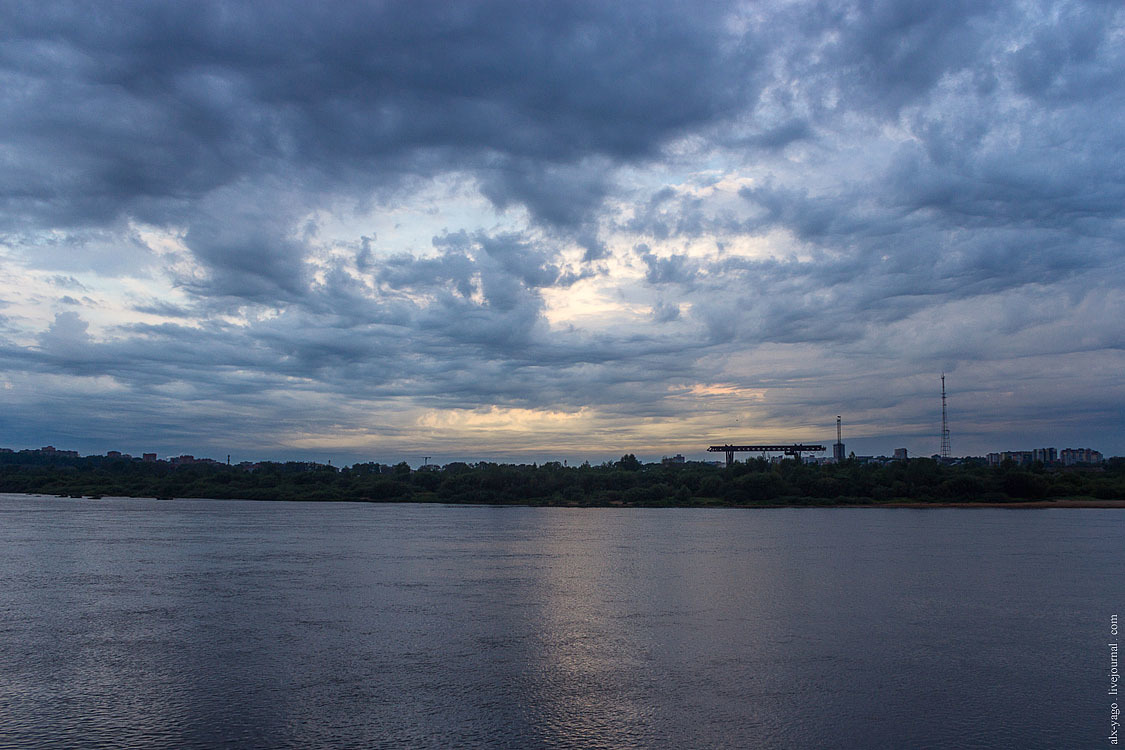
(780, 136)
(475, 356)
(674, 269)
(462, 328)
(912, 156)
(141, 106)
(244, 238)
(894, 52)
(663, 312)
(992, 191)
(1073, 55)
(232, 121)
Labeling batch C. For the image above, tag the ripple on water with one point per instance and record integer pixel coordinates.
(198, 624)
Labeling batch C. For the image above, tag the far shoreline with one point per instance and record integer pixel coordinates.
(1014, 504)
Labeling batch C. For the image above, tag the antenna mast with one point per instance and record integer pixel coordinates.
(944, 424)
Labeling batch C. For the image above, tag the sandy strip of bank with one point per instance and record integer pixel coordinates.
(1091, 503)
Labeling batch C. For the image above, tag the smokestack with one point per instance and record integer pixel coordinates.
(838, 448)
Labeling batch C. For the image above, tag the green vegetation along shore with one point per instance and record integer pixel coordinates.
(624, 482)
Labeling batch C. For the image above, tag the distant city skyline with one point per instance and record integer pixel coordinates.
(539, 230)
(1064, 456)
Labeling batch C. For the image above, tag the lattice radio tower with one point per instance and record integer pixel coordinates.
(944, 424)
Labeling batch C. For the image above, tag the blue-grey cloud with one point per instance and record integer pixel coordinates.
(807, 202)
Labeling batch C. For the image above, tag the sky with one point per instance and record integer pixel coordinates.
(544, 230)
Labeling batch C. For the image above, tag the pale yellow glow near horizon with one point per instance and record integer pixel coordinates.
(702, 415)
(496, 418)
(724, 389)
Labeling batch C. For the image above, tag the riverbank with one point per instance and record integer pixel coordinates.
(1066, 503)
(627, 483)
(430, 499)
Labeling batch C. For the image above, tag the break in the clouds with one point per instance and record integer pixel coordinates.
(539, 229)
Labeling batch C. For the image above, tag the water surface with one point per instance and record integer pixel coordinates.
(189, 624)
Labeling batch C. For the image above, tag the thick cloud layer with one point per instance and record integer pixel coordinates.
(560, 229)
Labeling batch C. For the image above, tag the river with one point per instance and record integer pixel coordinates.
(202, 623)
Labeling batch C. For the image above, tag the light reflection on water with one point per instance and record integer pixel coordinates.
(200, 623)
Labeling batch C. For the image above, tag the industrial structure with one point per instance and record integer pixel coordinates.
(945, 451)
(838, 448)
(1048, 457)
(794, 450)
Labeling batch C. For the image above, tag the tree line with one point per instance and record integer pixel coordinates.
(624, 482)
